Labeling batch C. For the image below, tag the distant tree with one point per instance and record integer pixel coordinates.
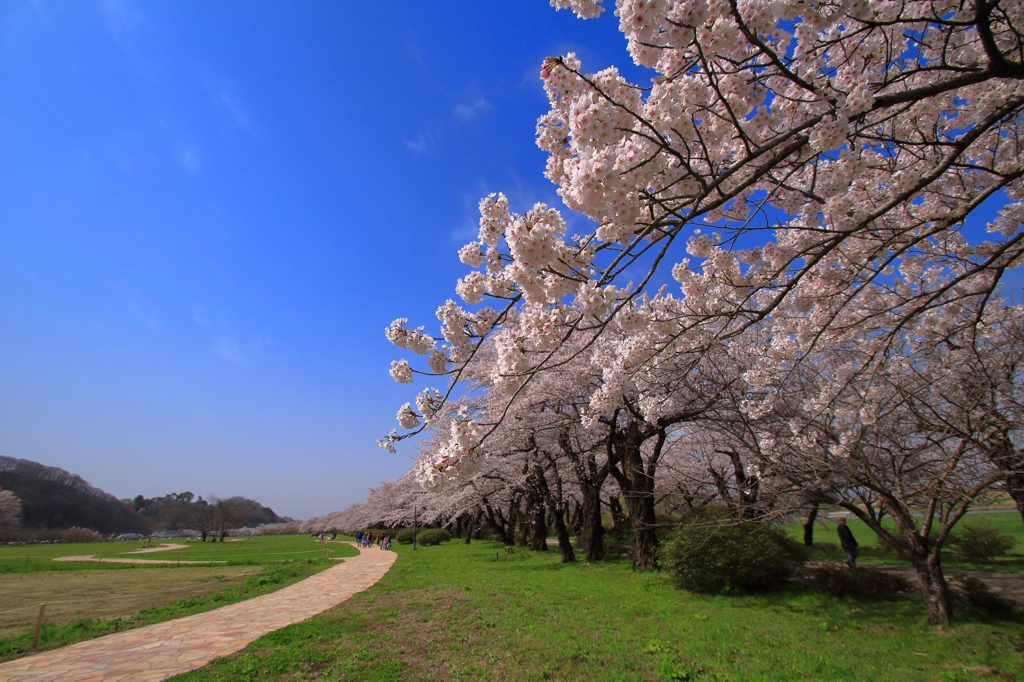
(229, 514)
(138, 503)
(10, 510)
(201, 519)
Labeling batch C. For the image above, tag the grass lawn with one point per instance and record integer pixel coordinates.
(827, 543)
(252, 551)
(86, 599)
(454, 612)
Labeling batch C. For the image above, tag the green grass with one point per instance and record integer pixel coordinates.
(453, 612)
(252, 551)
(871, 553)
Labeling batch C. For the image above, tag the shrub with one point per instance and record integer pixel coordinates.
(433, 536)
(976, 593)
(715, 554)
(404, 536)
(980, 542)
(843, 581)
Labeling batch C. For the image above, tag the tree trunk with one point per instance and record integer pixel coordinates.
(637, 487)
(498, 524)
(642, 539)
(809, 525)
(591, 530)
(538, 540)
(1011, 460)
(557, 511)
(934, 588)
(619, 520)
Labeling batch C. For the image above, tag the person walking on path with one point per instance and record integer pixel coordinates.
(849, 543)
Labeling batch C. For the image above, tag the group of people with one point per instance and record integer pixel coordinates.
(369, 540)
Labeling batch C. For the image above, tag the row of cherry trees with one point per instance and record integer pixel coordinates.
(816, 179)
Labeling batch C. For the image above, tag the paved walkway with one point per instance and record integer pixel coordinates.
(156, 652)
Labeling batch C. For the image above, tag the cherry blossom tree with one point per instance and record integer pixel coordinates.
(819, 163)
(917, 435)
(10, 510)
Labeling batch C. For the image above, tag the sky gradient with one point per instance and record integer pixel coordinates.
(210, 211)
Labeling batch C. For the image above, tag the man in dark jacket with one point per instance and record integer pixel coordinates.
(848, 542)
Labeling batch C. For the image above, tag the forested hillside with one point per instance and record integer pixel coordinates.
(53, 498)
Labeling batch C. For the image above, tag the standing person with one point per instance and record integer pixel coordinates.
(359, 538)
(849, 543)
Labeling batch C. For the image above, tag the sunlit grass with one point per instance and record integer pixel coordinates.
(455, 612)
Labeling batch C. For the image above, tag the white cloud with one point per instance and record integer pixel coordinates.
(468, 112)
(190, 159)
(228, 350)
(229, 102)
(420, 144)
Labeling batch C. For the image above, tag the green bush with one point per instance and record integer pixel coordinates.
(980, 542)
(715, 554)
(843, 581)
(404, 536)
(433, 536)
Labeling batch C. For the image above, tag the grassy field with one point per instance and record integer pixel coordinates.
(454, 612)
(254, 551)
(827, 543)
(87, 599)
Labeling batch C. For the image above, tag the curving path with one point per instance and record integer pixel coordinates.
(159, 651)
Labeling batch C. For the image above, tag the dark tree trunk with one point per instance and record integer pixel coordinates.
(591, 530)
(564, 541)
(637, 484)
(522, 531)
(576, 517)
(538, 540)
(642, 539)
(934, 588)
(922, 552)
(498, 524)
(619, 518)
(556, 507)
(809, 525)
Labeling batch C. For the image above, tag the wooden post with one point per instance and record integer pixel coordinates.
(39, 624)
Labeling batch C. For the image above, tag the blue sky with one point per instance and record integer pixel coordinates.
(210, 211)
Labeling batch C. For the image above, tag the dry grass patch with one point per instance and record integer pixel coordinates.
(171, 584)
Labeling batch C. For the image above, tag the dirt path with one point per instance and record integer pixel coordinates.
(1010, 586)
(103, 560)
(162, 548)
(156, 652)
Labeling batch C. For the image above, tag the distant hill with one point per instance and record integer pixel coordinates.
(53, 498)
(177, 510)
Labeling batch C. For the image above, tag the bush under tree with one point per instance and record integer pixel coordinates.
(433, 536)
(980, 542)
(715, 554)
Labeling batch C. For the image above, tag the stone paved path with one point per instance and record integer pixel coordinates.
(156, 652)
